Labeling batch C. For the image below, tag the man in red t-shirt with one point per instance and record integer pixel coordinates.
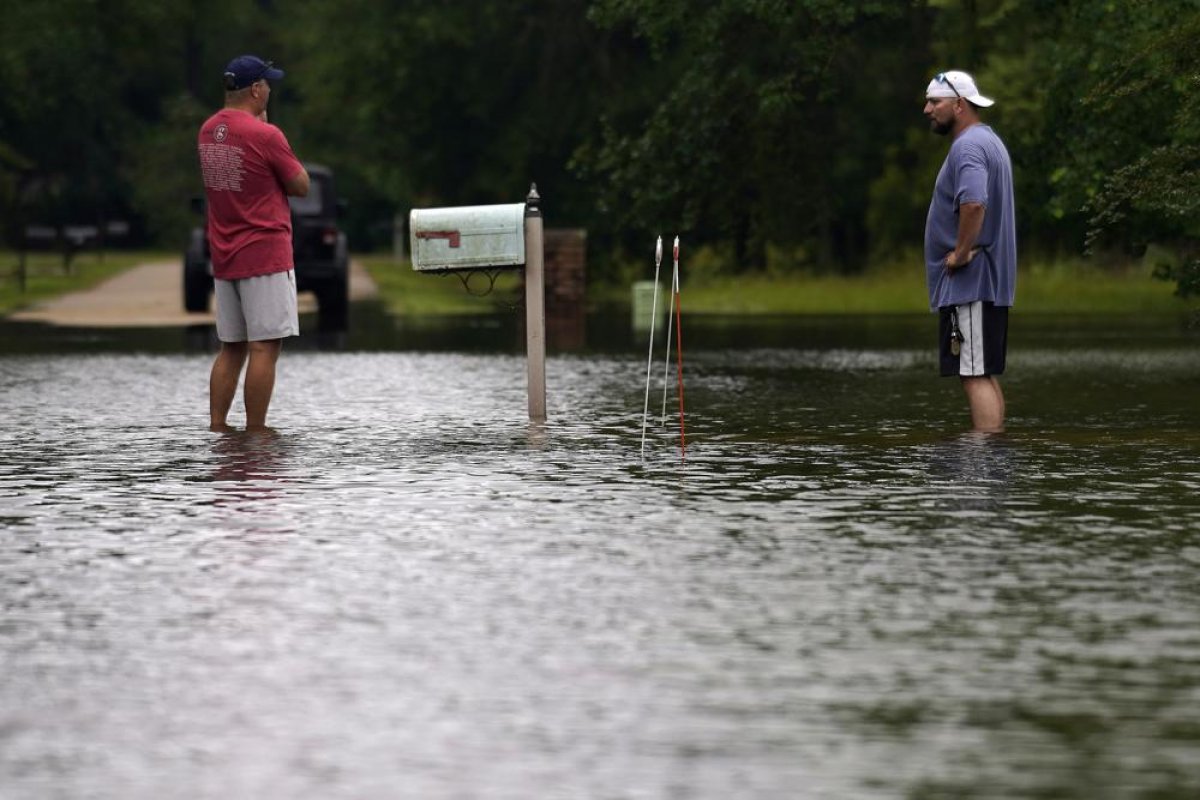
(249, 171)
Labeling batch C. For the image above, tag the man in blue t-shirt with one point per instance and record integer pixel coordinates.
(971, 246)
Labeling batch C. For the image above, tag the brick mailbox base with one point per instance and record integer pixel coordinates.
(566, 286)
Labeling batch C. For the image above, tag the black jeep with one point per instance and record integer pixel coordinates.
(318, 247)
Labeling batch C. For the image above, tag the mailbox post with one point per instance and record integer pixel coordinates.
(492, 237)
(535, 306)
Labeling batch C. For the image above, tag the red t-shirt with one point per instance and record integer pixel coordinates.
(245, 162)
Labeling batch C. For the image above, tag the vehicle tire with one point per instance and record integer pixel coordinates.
(196, 285)
(333, 305)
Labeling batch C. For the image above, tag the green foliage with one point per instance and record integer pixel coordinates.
(88, 88)
(1020, 52)
(160, 166)
(1185, 275)
(748, 122)
(780, 136)
(1147, 191)
(449, 104)
(898, 198)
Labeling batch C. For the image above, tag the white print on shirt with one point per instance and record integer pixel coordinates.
(222, 167)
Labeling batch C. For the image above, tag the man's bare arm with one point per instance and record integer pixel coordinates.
(297, 185)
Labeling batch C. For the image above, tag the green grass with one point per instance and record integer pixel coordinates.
(1053, 290)
(1060, 287)
(1076, 288)
(45, 277)
(1073, 288)
(1045, 287)
(799, 294)
(406, 292)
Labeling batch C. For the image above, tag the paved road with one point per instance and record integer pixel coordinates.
(150, 295)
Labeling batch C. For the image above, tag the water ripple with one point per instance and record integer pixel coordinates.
(408, 584)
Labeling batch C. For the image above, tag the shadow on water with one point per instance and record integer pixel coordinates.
(249, 458)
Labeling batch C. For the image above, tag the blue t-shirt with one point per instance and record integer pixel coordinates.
(976, 170)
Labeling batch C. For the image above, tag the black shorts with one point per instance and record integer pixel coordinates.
(984, 343)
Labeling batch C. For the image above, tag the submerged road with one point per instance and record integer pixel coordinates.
(150, 295)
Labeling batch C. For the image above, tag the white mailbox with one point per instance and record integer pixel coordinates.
(467, 237)
(457, 240)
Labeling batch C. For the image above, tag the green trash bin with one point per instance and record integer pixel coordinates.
(642, 301)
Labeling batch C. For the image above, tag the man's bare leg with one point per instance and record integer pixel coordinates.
(222, 383)
(260, 381)
(987, 403)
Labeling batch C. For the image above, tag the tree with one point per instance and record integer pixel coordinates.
(1149, 194)
(93, 90)
(755, 125)
(759, 123)
(445, 104)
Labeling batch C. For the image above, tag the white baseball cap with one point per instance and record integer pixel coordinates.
(956, 83)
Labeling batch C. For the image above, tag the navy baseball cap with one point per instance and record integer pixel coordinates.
(245, 70)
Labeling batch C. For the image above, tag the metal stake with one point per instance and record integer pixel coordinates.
(650, 355)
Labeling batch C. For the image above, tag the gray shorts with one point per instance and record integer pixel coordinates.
(257, 309)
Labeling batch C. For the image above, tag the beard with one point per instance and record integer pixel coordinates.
(941, 128)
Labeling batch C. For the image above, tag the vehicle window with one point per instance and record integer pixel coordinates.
(311, 204)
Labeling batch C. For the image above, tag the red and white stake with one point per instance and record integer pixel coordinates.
(678, 311)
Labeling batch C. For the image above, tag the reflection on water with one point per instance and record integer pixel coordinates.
(248, 463)
(408, 590)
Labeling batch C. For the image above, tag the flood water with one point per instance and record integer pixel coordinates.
(409, 591)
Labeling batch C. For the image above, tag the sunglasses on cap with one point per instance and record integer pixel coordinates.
(941, 77)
